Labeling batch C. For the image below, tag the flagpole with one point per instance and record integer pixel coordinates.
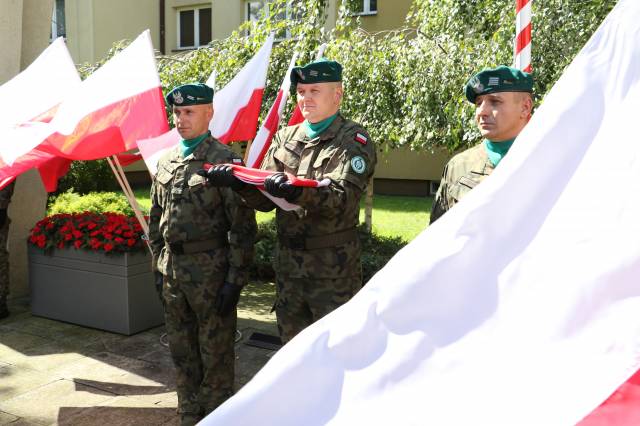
(128, 193)
(522, 45)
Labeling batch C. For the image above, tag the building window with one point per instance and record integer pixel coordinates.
(256, 9)
(58, 27)
(366, 7)
(194, 27)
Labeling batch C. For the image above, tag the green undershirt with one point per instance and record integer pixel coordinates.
(189, 145)
(497, 150)
(314, 129)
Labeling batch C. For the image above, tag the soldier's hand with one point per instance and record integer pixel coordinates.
(279, 186)
(3, 217)
(227, 298)
(221, 175)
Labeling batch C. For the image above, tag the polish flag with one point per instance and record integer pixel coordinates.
(105, 114)
(31, 100)
(269, 127)
(257, 176)
(101, 116)
(236, 109)
(237, 105)
(520, 306)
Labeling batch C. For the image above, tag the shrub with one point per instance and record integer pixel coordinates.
(376, 251)
(88, 176)
(265, 248)
(96, 202)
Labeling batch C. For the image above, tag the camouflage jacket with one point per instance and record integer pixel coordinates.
(187, 212)
(343, 153)
(461, 174)
(5, 195)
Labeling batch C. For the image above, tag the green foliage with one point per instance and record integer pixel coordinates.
(88, 176)
(404, 85)
(265, 248)
(376, 251)
(95, 202)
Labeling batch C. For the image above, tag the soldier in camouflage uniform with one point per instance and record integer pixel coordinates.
(318, 258)
(503, 101)
(5, 199)
(202, 242)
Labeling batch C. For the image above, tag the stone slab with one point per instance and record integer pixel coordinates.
(117, 374)
(120, 411)
(15, 381)
(42, 405)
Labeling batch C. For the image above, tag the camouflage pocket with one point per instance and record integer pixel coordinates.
(289, 159)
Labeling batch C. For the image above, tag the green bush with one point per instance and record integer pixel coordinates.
(376, 251)
(88, 176)
(96, 202)
(265, 248)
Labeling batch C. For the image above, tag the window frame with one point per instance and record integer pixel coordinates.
(196, 26)
(266, 10)
(366, 9)
(54, 23)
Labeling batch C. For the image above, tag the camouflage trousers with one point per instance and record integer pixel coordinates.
(303, 301)
(4, 262)
(201, 344)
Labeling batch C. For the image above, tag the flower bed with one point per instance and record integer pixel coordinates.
(104, 232)
(93, 269)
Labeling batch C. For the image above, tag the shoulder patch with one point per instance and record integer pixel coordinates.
(360, 138)
(237, 161)
(358, 164)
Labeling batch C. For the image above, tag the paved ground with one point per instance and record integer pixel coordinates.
(57, 373)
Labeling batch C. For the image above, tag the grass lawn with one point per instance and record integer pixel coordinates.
(393, 215)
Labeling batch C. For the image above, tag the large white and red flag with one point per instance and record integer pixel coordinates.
(236, 109)
(32, 100)
(103, 115)
(271, 123)
(519, 306)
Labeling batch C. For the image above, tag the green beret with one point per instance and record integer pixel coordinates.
(320, 71)
(499, 79)
(190, 94)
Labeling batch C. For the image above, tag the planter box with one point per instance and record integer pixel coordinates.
(114, 293)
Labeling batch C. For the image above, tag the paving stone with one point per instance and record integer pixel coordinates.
(11, 340)
(40, 358)
(43, 405)
(249, 360)
(15, 381)
(120, 411)
(6, 418)
(118, 374)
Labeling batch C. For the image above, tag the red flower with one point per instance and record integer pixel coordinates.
(107, 232)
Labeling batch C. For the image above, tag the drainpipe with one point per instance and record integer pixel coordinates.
(162, 28)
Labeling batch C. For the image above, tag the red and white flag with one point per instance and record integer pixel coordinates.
(237, 105)
(101, 116)
(520, 306)
(236, 109)
(31, 100)
(105, 114)
(270, 126)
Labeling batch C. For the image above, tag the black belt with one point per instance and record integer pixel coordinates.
(197, 246)
(300, 242)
